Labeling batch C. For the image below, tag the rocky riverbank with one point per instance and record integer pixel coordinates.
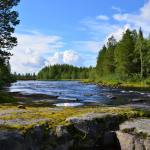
(33, 122)
(59, 128)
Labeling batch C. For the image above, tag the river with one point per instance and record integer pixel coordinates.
(75, 90)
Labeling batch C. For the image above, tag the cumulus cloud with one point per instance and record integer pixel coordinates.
(137, 20)
(119, 32)
(90, 46)
(102, 17)
(32, 50)
(66, 57)
(35, 50)
(101, 31)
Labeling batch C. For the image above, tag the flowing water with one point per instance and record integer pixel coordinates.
(79, 92)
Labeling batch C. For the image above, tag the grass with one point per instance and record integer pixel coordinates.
(113, 82)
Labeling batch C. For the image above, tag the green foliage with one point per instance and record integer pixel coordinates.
(26, 76)
(126, 60)
(124, 55)
(8, 21)
(58, 72)
(6, 98)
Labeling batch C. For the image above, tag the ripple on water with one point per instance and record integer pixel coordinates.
(68, 104)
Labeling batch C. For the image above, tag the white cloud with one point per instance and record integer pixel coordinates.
(32, 51)
(102, 17)
(117, 9)
(35, 50)
(88, 46)
(101, 31)
(119, 32)
(66, 57)
(120, 17)
(137, 20)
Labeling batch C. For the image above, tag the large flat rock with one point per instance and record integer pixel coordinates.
(134, 134)
(138, 125)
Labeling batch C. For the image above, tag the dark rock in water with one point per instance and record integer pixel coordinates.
(137, 100)
(111, 97)
(88, 94)
(21, 107)
(68, 98)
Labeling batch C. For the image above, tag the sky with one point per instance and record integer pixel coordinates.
(72, 31)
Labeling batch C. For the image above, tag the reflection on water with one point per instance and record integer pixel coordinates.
(76, 91)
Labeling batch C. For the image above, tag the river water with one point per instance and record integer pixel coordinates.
(75, 90)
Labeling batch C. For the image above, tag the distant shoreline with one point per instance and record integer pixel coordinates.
(122, 85)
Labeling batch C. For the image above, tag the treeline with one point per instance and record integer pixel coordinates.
(128, 59)
(27, 76)
(8, 21)
(64, 71)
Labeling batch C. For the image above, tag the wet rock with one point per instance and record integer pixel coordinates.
(111, 97)
(68, 98)
(21, 107)
(137, 100)
(88, 94)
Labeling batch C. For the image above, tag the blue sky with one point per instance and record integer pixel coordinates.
(72, 31)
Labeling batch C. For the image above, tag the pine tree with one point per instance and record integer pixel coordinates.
(8, 21)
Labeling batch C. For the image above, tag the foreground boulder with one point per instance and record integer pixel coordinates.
(91, 131)
(134, 134)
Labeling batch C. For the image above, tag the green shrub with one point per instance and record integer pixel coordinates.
(6, 98)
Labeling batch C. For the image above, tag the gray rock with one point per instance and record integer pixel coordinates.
(139, 126)
(126, 140)
(137, 100)
(61, 131)
(92, 127)
(111, 97)
(134, 134)
(88, 94)
(11, 141)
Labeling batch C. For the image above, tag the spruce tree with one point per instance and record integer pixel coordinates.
(124, 54)
(101, 61)
(109, 66)
(140, 49)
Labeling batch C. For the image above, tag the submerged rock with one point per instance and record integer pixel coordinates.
(88, 94)
(137, 100)
(111, 97)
